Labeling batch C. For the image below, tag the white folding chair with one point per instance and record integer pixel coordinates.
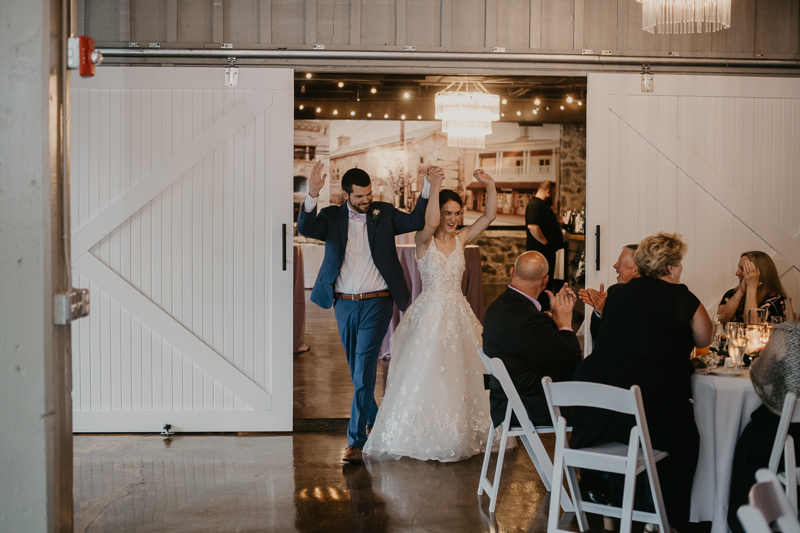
(526, 431)
(768, 504)
(630, 460)
(784, 444)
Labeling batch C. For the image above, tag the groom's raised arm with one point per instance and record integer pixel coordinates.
(414, 221)
(309, 224)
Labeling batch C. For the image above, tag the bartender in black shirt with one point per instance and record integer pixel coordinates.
(543, 229)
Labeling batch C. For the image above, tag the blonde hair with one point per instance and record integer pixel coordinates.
(658, 252)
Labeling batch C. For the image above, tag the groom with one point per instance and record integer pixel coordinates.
(360, 276)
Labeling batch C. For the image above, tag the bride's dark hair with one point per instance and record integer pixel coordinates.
(445, 195)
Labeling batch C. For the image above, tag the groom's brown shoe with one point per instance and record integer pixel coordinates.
(352, 455)
(369, 429)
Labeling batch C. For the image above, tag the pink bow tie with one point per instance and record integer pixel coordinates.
(356, 216)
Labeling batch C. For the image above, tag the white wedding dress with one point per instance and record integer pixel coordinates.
(435, 405)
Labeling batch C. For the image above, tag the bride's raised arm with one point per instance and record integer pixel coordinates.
(471, 232)
(422, 238)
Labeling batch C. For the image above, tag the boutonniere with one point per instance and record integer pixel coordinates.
(376, 213)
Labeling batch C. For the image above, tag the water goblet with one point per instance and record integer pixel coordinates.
(736, 349)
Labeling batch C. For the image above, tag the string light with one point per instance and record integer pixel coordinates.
(369, 115)
(503, 101)
(335, 112)
(569, 99)
(340, 84)
(580, 103)
(519, 113)
(537, 101)
(402, 117)
(308, 75)
(562, 107)
(535, 111)
(385, 116)
(419, 117)
(301, 107)
(352, 113)
(319, 110)
(373, 90)
(406, 95)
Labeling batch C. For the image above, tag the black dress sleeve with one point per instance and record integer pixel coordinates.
(686, 305)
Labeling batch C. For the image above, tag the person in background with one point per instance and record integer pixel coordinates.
(543, 230)
(650, 326)
(759, 288)
(774, 373)
(626, 271)
(531, 344)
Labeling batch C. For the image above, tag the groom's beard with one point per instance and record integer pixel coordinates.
(357, 209)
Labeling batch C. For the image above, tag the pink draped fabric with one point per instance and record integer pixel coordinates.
(471, 285)
(299, 306)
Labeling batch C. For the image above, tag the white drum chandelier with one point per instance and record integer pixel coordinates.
(467, 116)
(685, 16)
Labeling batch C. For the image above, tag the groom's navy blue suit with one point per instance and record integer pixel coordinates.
(362, 324)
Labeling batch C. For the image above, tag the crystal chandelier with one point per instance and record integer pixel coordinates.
(467, 116)
(685, 16)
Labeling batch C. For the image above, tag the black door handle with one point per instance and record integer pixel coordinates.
(284, 245)
(597, 247)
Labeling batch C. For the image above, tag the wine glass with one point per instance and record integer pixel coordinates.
(719, 328)
(736, 348)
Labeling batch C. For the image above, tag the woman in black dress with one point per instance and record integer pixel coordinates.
(650, 326)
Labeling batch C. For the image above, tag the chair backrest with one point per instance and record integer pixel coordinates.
(499, 371)
(587, 394)
(486, 362)
(768, 497)
(789, 415)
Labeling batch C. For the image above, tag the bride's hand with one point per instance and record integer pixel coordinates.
(483, 177)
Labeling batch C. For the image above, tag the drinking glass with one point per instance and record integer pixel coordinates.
(736, 349)
(756, 317)
(718, 332)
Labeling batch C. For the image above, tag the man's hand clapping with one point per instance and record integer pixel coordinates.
(561, 306)
(317, 180)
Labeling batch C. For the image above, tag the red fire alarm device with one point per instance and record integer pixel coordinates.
(82, 56)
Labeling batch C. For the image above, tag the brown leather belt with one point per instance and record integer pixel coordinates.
(363, 295)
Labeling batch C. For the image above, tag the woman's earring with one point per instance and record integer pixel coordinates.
(672, 276)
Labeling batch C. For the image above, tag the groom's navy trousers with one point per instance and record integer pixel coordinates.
(363, 323)
(362, 327)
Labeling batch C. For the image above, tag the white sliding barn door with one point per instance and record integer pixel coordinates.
(715, 158)
(180, 189)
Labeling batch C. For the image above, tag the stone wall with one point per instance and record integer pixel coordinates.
(573, 167)
(499, 250)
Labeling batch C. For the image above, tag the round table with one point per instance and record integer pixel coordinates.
(471, 285)
(722, 408)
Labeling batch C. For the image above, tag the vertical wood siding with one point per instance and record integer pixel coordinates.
(764, 27)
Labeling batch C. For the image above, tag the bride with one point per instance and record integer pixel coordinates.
(435, 405)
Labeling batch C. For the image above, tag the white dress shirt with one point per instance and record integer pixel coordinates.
(359, 273)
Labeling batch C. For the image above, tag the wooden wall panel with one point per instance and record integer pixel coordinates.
(378, 23)
(513, 23)
(240, 21)
(333, 22)
(776, 26)
(558, 18)
(600, 26)
(194, 21)
(288, 17)
(148, 21)
(424, 23)
(101, 20)
(468, 24)
(739, 38)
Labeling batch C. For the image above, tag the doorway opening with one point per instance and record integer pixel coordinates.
(385, 124)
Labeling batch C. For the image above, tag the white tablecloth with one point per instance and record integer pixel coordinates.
(722, 408)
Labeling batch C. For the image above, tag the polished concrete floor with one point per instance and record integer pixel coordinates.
(289, 483)
(295, 482)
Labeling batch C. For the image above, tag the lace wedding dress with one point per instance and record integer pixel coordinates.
(435, 405)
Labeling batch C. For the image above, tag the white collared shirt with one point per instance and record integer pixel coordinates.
(358, 273)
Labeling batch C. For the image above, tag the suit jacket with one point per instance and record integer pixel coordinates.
(330, 225)
(597, 321)
(531, 346)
